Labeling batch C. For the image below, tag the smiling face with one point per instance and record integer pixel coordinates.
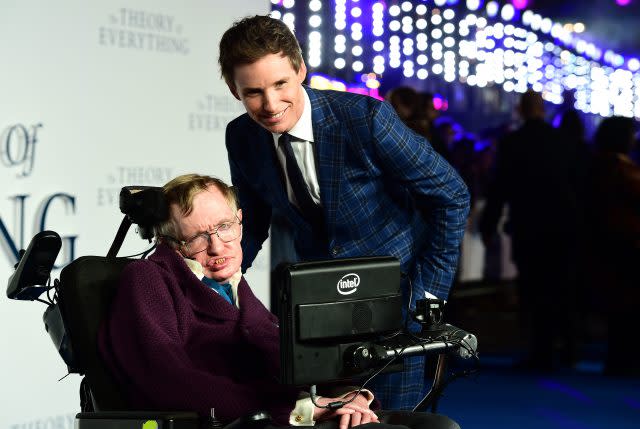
(271, 91)
(220, 261)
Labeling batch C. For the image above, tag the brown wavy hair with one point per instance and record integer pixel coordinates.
(255, 37)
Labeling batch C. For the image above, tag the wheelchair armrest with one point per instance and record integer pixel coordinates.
(162, 420)
(258, 420)
(137, 420)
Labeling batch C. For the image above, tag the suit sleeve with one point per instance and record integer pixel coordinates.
(256, 213)
(438, 191)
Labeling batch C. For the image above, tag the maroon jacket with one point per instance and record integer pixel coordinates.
(174, 344)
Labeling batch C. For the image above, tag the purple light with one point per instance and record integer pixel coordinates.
(623, 2)
(440, 103)
(520, 4)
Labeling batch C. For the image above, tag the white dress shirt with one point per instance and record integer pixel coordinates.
(302, 145)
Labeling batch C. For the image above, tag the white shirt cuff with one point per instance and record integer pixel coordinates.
(432, 296)
(302, 414)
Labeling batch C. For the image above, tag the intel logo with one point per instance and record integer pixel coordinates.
(348, 284)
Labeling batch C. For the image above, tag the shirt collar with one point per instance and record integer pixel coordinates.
(303, 129)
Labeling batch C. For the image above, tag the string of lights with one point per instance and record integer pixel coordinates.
(474, 42)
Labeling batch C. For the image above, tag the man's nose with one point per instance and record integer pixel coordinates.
(269, 102)
(215, 244)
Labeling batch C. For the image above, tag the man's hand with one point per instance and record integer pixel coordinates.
(352, 414)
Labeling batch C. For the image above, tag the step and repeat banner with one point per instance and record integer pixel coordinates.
(95, 96)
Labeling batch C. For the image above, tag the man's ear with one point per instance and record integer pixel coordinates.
(233, 90)
(239, 214)
(302, 73)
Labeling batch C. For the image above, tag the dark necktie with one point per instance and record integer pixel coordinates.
(310, 210)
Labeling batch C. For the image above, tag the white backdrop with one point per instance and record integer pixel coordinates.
(95, 96)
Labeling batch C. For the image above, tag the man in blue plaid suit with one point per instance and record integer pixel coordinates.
(379, 188)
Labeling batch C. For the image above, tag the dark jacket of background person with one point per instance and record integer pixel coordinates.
(533, 178)
(417, 111)
(616, 185)
(174, 344)
(616, 205)
(615, 217)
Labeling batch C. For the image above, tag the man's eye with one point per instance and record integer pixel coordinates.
(224, 226)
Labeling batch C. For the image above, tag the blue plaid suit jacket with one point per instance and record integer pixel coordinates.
(384, 190)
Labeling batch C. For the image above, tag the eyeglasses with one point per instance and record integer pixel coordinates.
(226, 232)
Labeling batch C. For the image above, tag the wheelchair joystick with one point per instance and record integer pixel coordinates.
(429, 313)
(33, 269)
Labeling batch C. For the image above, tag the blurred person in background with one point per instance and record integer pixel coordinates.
(531, 177)
(417, 111)
(615, 217)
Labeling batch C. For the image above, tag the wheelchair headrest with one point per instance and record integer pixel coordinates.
(145, 206)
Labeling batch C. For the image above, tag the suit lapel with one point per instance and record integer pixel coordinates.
(266, 164)
(329, 135)
(269, 171)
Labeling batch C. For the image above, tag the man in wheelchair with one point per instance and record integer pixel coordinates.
(185, 331)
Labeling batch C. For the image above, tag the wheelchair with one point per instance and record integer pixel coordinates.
(81, 300)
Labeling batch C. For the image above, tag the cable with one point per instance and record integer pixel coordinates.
(48, 296)
(391, 335)
(49, 287)
(408, 315)
(144, 253)
(56, 287)
(339, 404)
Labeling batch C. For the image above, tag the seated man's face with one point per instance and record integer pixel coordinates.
(219, 260)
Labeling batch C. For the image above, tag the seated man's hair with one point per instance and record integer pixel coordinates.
(183, 189)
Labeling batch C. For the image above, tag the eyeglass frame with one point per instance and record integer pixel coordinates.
(184, 243)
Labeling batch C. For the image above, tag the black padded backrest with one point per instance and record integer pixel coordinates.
(87, 286)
